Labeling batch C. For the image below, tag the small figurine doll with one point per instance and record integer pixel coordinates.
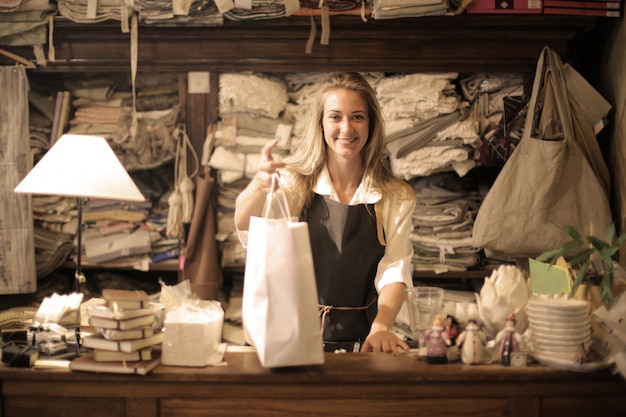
(451, 326)
(472, 342)
(509, 340)
(436, 341)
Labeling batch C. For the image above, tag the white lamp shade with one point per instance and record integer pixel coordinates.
(81, 166)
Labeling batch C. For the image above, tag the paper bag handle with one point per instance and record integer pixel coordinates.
(283, 204)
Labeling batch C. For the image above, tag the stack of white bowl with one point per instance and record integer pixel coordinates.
(559, 328)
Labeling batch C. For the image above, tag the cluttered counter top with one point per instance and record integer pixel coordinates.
(363, 384)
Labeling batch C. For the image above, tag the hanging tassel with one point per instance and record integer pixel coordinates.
(174, 225)
(186, 191)
(185, 181)
(181, 200)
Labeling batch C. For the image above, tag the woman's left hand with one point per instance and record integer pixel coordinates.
(383, 341)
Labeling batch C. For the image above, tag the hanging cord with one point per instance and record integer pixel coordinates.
(186, 181)
(174, 224)
(181, 200)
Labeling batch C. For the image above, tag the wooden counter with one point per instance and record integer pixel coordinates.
(352, 384)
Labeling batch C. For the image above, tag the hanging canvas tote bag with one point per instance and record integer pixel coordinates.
(548, 181)
(280, 302)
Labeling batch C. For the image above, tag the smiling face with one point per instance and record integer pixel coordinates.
(345, 122)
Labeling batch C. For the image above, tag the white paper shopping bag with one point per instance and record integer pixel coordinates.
(280, 304)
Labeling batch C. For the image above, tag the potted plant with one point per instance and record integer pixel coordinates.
(592, 258)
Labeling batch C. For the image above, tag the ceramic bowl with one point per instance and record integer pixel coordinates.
(560, 334)
(558, 304)
(568, 316)
(568, 356)
(565, 325)
(560, 345)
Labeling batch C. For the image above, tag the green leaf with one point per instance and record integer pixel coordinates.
(606, 290)
(572, 244)
(599, 244)
(581, 257)
(579, 277)
(570, 230)
(608, 253)
(552, 255)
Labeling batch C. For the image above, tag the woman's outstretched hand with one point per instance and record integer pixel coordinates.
(267, 168)
(383, 341)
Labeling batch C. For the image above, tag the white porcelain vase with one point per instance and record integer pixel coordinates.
(505, 291)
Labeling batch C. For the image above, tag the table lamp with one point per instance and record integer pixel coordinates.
(83, 167)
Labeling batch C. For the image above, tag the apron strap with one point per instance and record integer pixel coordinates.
(380, 232)
(325, 309)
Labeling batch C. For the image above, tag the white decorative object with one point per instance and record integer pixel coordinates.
(559, 328)
(505, 291)
(193, 333)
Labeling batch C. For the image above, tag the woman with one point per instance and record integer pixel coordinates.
(359, 214)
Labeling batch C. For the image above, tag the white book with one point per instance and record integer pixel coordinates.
(140, 333)
(99, 342)
(100, 355)
(127, 324)
(87, 363)
(117, 313)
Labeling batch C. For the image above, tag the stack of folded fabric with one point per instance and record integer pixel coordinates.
(252, 111)
(428, 126)
(178, 13)
(24, 22)
(80, 11)
(443, 222)
(393, 9)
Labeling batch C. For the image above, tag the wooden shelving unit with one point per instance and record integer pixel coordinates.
(464, 44)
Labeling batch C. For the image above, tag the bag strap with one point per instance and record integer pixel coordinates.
(538, 83)
(555, 71)
(282, 202)
(549, 67)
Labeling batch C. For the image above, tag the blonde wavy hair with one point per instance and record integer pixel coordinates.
(306, 161)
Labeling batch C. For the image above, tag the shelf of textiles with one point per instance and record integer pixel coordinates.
(346, 40)
(437, 147)
(116, 234)
(87, 54)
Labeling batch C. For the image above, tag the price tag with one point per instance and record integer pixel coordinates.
(224, 5)
(243, 4)
(198, 82)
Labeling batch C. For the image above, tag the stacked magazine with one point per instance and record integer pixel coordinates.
(125, 339)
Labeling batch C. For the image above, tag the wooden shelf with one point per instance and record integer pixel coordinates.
(170, 265)
(470, 274)
(465, 43)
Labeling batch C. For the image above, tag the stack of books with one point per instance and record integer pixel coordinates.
(124, 340)
(583, 8)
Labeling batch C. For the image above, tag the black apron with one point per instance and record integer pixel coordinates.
(346, 251)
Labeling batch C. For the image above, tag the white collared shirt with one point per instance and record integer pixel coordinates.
(395, 265)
